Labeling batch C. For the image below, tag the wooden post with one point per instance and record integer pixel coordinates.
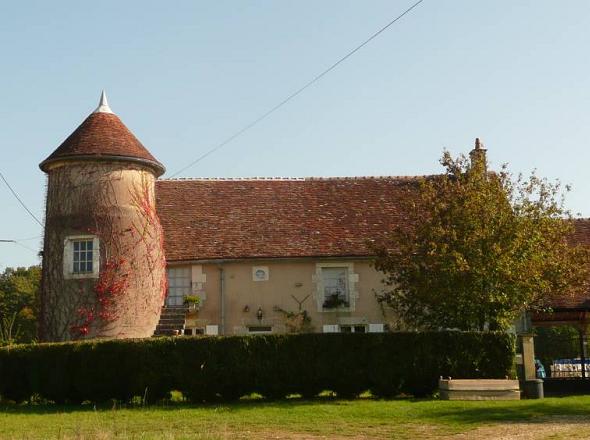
(582, 352)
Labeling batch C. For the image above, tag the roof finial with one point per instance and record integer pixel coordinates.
(478, 144)
(103, 105)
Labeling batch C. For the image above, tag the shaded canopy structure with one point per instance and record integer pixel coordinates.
(573, 311)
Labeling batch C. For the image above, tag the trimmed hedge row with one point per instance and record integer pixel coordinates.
(212, 368)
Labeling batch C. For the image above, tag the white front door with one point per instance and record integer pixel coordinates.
(179, 285)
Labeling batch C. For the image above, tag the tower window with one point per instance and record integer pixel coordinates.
(81, 257)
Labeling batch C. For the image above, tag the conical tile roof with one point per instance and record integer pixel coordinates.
(102, 136)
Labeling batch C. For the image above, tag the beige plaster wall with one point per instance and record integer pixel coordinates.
(287, 280)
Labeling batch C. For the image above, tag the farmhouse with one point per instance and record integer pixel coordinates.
(124, 251)
(258, 250)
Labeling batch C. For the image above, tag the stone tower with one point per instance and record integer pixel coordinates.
(103, 258)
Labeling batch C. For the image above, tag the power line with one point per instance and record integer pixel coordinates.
(19, 244)
(36, 237)
(19, 199)
(26, 247)
(297, 92)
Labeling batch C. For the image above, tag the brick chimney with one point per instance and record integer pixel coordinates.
(478, 155)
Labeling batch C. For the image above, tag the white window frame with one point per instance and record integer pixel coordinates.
(260, 270)
(331, 328)
(352, 282)
(376, 328)
(212, 330)
(68, 257)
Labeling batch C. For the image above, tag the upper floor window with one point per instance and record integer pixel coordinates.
(336, 293)
(81, 257)
(336, 286)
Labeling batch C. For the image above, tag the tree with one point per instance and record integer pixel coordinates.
(479, 248)
(19, 292)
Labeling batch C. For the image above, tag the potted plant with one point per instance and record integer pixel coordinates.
(335, 301)
(192, 302)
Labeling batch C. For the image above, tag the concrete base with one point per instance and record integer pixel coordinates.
(533, 389)
(479, 389)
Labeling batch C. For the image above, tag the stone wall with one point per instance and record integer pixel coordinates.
(290, 286)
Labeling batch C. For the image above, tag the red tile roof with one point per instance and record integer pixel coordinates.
(103, 135)
(282, 218)
(581, 236)
(582, 231)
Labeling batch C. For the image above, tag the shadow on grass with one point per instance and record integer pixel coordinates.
(576, 409)
(242, 404)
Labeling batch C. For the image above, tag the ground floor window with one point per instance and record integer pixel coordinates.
(353, 329)
(194, 331)
(260, 329)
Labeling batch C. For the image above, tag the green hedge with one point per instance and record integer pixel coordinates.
(208, 369)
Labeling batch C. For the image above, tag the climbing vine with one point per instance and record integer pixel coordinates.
(296, 322)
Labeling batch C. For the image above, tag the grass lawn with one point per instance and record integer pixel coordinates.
(302, 419)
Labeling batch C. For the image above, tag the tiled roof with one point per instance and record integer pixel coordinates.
(582, 231)
(103, 135)
(278, 218)
(581, 236)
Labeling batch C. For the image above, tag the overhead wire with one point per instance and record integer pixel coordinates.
(20, 200)
(26, 247)
(297, 92)
(36, 237)
(16, 242)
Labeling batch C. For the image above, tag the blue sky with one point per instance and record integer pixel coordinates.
(184, 75)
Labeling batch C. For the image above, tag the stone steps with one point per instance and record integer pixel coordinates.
(177, 325)
(172, 321)
(165, 333)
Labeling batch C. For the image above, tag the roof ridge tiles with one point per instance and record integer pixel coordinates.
(256, 179)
